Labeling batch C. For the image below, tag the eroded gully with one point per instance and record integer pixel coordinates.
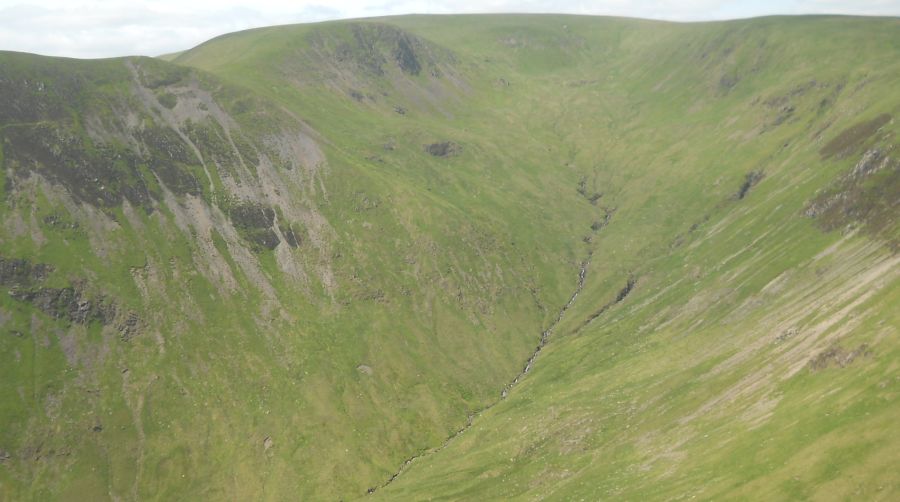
(529, 363)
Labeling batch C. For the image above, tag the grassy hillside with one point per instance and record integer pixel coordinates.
(299, 256)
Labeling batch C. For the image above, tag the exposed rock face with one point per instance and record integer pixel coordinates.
(237, 175)
(838, 357)
(68, 304)
(378, 49)
(620, 297)
(373, 62)
(21, 272)
(130, 327)
(100, 175)
(871, 162)
(256, 223)
(866, 194)
(290, 236)
(750, 181)
(443, 149)
(406, 56)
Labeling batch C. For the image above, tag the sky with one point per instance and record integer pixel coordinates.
(107, 28)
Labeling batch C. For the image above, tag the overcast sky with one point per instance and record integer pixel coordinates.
(104, 28)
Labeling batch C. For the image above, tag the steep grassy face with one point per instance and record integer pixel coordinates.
(209, 296)
(302, 255)
(756, 207)
(122, 180)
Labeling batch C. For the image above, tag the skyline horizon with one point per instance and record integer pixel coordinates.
(97, 29)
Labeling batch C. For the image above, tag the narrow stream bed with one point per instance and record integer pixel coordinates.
(529, 363)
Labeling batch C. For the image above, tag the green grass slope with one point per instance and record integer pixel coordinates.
(252, 304)
(300, 256)
(755, 356)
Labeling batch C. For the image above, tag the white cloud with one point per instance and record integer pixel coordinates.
(103, 28)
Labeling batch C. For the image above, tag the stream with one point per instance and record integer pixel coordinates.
(529, 363)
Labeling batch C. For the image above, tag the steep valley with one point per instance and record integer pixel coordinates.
(492, 257)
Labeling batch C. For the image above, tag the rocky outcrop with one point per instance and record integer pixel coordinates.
(68, 304)
(379, 49)
(256, 223)
(443, 149)
(866, 195)
(21, 272)
(750, 180)
(405, 55)
(71, 304)
(838, 357)
(620, 297)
